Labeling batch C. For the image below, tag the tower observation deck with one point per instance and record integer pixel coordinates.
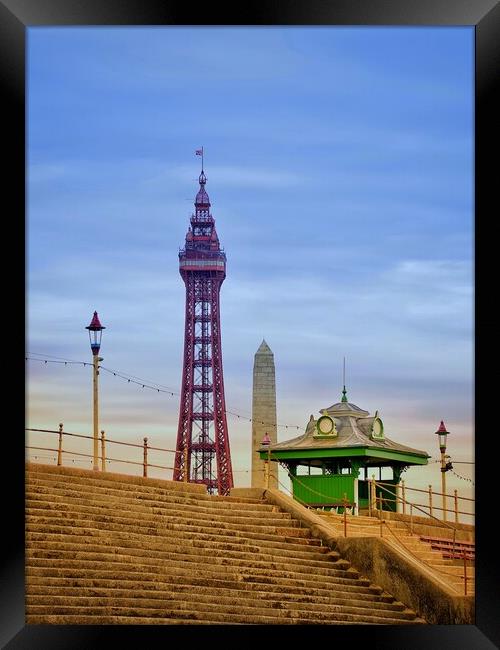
(203, 454)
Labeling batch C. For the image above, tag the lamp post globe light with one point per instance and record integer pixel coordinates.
(95, 334)
(442, 433)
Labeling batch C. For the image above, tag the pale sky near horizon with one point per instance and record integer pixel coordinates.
(340, 171)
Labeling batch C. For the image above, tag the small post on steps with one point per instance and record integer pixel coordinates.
(430, 500)
(374, 495)
(411, 518)
(145, 461)
(266, 442)
(59, 449)
(465, 572)
(456, 506)
(266, 474)
(403, 496)
(103, 452)
(345, 514)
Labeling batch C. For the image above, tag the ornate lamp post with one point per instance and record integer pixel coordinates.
(442, 433)
(266, 442)
(95, 333)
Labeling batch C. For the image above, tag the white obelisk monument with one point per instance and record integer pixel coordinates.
(263, 413)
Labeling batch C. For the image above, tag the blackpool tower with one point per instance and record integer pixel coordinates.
(203, 454)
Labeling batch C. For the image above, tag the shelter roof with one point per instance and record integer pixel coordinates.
(354, 430)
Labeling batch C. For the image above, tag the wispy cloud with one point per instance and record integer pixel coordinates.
(237, 176)
(339, 167)
(40, 173)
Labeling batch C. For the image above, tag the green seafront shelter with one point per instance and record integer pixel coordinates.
(348, 446)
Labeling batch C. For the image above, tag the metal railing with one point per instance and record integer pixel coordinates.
(348, 515)
(426, 508)
(351, 522)
(454, 552)
(61, 451)
(381, 500)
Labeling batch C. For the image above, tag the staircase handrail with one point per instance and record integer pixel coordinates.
(102, 456)
(413, 489)
(382, 523)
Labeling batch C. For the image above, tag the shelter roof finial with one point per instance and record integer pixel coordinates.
(344, 396)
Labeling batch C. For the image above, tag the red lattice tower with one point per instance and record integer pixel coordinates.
(203, 454)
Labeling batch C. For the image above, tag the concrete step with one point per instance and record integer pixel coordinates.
(112, 524)
(235, 603)
(459, 562)
(178, 532)
(361, 520)
(407, 543)
(411, 542)
(131, 566)
(351, 524)
(453, 570)
(258, 615)
(192, 618)
(121, 497)
(367, 524)
(195, 545)
(123, 570)
(233, 499)
(416, 547)
(171, 551)
(430, 558)
(362, 589)
(218, 543)
(371, 529)
(65, 503)
(110, 549)
(72, 558)
(339, 532)
(81, 515)
(354, 599)
(447, 542)
(42, 619)
(89, 484)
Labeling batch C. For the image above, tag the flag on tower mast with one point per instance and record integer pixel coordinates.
(199, 152)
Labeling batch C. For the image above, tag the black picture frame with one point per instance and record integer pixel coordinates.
(15, 17)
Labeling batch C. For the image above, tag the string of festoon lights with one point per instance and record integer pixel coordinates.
(160, 388)
(146, 384)
(463, 478)
(458, 462)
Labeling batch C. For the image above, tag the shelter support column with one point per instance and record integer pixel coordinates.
(355, 467)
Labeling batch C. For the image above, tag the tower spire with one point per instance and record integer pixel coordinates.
(203, 453)
(202, 201)
(344, 396)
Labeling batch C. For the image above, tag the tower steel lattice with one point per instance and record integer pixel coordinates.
(203, 454)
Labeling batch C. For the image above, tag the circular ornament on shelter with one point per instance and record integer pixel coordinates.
(377, 428)
(325, 425)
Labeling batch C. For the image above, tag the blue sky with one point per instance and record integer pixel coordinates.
(340, 171)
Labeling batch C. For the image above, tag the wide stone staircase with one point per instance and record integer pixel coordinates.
(113, 549)
(435, 551)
